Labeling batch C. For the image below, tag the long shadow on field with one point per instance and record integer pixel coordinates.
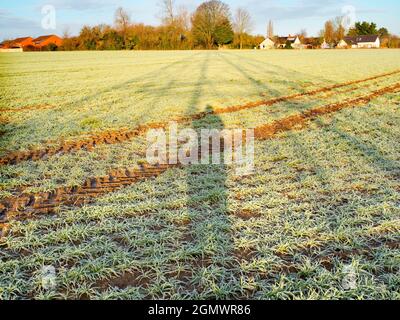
(264, 88)
(339, 201)
(330, 200)
(259, 84)
(68, 119)
(137, 79)
(373, 155)
(285, 73)
(208, 239)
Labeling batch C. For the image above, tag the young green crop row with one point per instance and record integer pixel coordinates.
(322, 200)
(318, 219)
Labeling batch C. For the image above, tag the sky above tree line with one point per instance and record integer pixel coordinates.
(24, 18)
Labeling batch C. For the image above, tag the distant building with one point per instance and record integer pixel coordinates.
(293, 40)
(20, 43)
(45, 41)
(342, 45)
(325, 45)
(367, 41)
(311, 43)
(28, 43)
(267, 44)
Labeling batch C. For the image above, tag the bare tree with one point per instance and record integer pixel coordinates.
(175, 24)
(66, 33)
(270, 30)
(167, 11)
(242, 24)
(183, 18)
(67, 40)
(340, 30)
(302, 34)
(122, 22)
(172, 16)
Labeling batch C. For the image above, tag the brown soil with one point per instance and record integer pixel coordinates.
(245, 255)
(247, 214)
(299, 95)
(28, 205)
(28, 108)
(327, 260)
(107, 137)
(300, 120)
(118, 136)
(4, 120)
(124, 281)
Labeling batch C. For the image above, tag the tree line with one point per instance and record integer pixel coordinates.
(210, 26)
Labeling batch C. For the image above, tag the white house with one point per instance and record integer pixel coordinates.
(342, 44)
(267, 44)
(325, 45)
(367, 41)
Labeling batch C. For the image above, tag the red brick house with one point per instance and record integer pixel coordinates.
(18, 43)
(30, 44)
(44, 41)
(21, 42)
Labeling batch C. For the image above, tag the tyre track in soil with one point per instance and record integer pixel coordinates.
(286, 124)
(122, 135)
(29, 205)
(28, 108)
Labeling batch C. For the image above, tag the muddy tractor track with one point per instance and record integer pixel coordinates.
(289, 123)
(122, 135)
(28, 108)
(29, 205)
(300, 95)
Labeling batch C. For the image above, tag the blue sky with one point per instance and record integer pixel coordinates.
(23, 18)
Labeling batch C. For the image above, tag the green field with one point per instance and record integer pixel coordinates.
(324, 197)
